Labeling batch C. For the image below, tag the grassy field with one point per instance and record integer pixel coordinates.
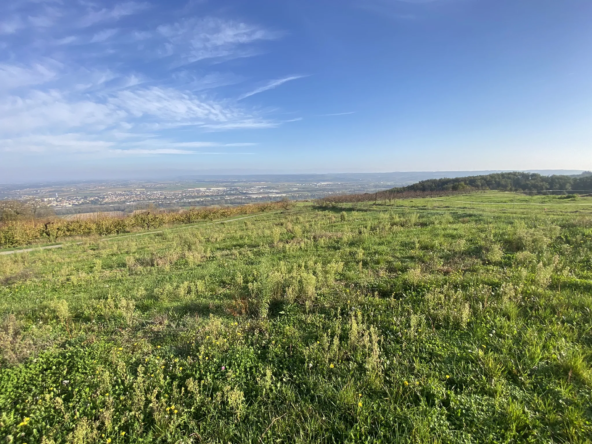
(462, 319)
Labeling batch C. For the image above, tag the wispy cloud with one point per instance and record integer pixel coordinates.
(337, 114)
(199, 82)
(66, 88)
(161, 151)
(66, 40)
(54, 111)
(240, 144)
(94, 16)
(174, 106)
(270, 85)
(67, 142)
(15, 76)
(245, 124)
(211, 144)
(10, 25)
(195, 39)
(418, 1)
(80, 143)
(103, 35)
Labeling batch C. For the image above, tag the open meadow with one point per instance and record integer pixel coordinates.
(457, 319)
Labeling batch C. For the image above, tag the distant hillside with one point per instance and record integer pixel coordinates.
(506, 182)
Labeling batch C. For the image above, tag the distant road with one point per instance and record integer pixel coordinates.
(49, 247)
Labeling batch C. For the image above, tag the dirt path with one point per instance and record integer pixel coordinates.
(26, 250)
(49, 247)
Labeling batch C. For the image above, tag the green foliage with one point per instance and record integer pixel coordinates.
(505, 182)
(462, 318)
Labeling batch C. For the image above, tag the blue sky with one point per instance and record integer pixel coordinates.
(127, 88)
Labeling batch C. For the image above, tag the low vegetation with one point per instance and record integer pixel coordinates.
(390, 196)
(22, 230)
(456, 319)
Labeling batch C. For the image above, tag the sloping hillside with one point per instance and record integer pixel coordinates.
(452, 319)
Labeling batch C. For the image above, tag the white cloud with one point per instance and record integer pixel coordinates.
(169, 107)
(210, 144)
(93, 79)
(94, 100)
(67, 40)
(42, 119)
(80, 143)
(271, 85)
(240, 144)
(16, 76)
(140, 35)
(337, 114)
(143, 152)
(11, 25)
(49, 17)
(196, 144)
(245, 124)
(197, 39)
(113, 14)
(43, 111)
(68, 142)
(103, 35)
(212, 80)
(159, 151)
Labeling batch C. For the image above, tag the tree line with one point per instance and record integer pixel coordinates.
(15, 210)
(515, 181)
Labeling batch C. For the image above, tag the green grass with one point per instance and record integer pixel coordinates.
(460, 319)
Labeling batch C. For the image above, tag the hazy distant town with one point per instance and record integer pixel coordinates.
(127, 196)
(72, 198)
